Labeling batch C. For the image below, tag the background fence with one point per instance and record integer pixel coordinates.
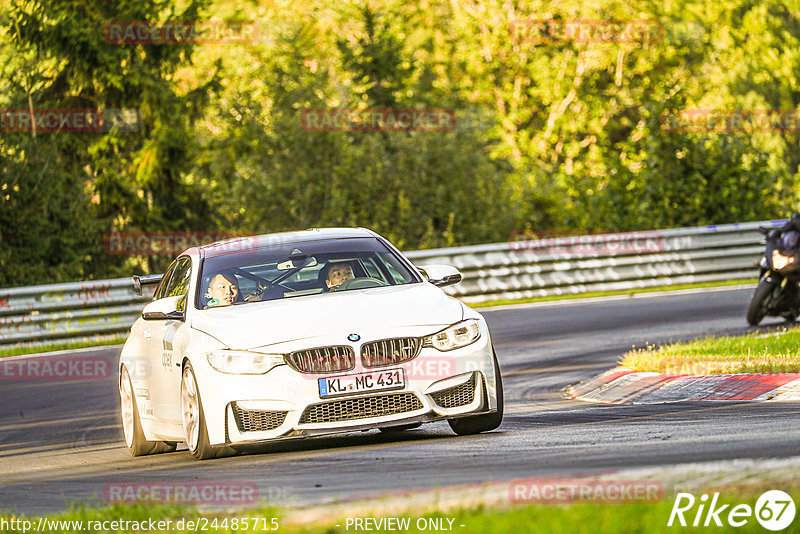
(521, 268)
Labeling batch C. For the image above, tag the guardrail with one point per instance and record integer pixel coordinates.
(521, 268)
(603, 262)
(46, 314)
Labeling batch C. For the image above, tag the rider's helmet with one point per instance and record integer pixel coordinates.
(789, 240)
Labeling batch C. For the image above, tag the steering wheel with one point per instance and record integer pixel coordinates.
(359, 283)
(266, 288)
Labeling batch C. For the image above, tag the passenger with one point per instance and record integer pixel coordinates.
(338, 273)
(223, 290)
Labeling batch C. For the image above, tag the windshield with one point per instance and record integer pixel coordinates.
(299, 269)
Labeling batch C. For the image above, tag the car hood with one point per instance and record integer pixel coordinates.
(369, 312)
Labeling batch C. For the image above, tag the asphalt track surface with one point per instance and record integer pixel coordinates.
(61, 442)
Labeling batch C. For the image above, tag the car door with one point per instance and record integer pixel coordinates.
(149, 352)
(164, 359)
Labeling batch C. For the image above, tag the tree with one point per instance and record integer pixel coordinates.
(137, 180)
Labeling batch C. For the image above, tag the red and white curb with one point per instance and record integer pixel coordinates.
(623, 386)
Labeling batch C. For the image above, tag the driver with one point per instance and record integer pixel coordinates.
(338, 273)
(223, 290)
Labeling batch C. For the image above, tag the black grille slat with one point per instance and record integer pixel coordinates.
(257, 420)
(322, 359)
(361, 408)
(390, 351)
(456, 396)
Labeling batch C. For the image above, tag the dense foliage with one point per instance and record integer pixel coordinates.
(551, 132)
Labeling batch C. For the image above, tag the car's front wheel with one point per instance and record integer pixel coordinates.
(132, 426)
(194, 421)
(475, 424)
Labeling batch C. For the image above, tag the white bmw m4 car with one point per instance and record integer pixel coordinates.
(302, 334)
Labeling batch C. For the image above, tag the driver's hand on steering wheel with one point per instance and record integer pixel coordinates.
(255, 296)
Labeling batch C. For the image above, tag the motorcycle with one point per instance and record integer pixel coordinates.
(777, 293)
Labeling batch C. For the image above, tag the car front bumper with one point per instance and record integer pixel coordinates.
(285, 404)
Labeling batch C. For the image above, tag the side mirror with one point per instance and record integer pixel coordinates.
(163, 309)
(139, 281)
(441, 275)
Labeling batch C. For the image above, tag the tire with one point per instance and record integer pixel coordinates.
(475, 424)
(194, 420)
(132, 425)
(758, 304)
(400, 428)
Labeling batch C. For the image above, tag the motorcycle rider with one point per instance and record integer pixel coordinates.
(787, 237)
(777, 293)
(792, 224)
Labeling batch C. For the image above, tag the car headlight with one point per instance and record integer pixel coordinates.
(243, 362)
(779, 261)
(454, 337)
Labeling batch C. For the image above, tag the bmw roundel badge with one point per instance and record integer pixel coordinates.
(353, 337)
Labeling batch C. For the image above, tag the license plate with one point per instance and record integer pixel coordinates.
(360, 383)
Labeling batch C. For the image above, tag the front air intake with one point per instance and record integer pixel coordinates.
(456, 396)
(257, 420)
(362, 408)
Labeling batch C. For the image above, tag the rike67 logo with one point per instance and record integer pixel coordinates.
(774, 510)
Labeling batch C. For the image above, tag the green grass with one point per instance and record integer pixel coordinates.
(591, 294)
(577, 517)
(17, 351)
(778, 352)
